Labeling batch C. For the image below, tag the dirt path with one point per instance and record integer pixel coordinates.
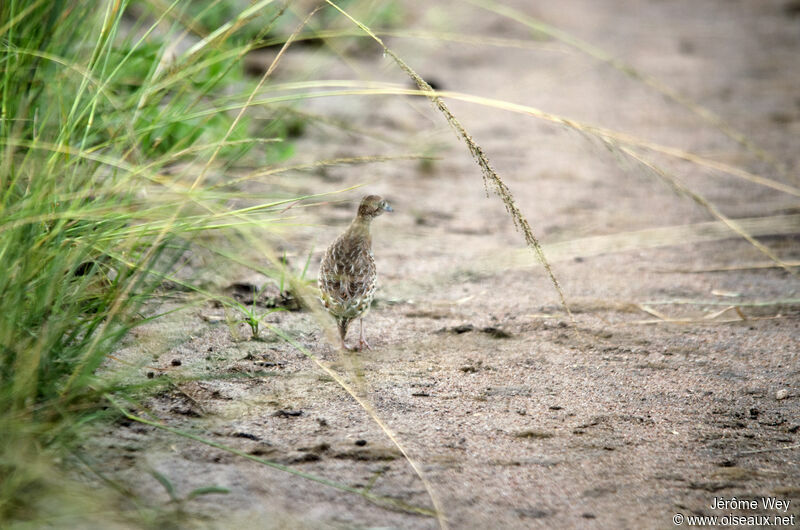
(517, 419)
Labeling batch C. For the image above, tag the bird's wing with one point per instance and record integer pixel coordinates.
(347, 272)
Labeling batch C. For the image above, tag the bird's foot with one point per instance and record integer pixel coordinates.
(360, 345)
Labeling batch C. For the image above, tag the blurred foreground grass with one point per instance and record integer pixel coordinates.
(107, 134)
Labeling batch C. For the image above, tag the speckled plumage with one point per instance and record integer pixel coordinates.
(347, 274)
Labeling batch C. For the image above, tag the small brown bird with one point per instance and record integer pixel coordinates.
(347, 275)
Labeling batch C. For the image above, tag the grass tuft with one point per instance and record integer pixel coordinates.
(97, 145)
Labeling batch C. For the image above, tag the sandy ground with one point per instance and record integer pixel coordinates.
(517, 418)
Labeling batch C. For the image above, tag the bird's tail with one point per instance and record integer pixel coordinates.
(343, 325)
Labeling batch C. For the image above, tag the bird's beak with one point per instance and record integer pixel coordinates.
(388, 208)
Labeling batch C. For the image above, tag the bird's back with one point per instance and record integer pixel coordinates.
(347, 276)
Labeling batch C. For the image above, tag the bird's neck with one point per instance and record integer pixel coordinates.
(360, 227)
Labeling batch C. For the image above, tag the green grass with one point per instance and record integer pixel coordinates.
(97, 114)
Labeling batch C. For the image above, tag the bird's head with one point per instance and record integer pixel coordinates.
(372, 206)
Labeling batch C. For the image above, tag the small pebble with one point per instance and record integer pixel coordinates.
(176, 362)
(781, 394)
(247, 435)
(287, 413)
(361, 443)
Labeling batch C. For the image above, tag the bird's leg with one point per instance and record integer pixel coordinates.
(362, 342)
(343, 333)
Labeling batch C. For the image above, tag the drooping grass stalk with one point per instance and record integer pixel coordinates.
(686, 234)
(489, 174)
(681, 188)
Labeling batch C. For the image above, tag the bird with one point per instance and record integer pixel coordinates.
(347, 273)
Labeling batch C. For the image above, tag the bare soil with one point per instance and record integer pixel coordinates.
(518, 417)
